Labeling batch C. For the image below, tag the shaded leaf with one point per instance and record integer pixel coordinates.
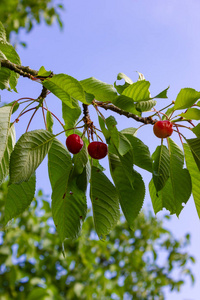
(49, 120)
(160, 166)
(59, 162)
(69, 208)
(19, 197)
(126, 103)
(70, 115)
(145, 105)
(162, 94)
(195, 176)
(105, 203)
(195, 148)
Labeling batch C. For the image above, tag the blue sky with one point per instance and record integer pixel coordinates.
(160, 39)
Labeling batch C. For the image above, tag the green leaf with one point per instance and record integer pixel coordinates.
(141, 153)
(138, 91)
(14, 104)
(195, 176)
(43, 72)
(126, 103)
(186, 98)
(29, 152)
(8, 78)
(69, 208)
(124, 144)
(163, 198)
(5, 145)
(160, 166)
(180, 178)
(114, 134)
(80, 160)
(70, 115)
(129, 130)
(105, 203)
(4, 163)
(163, 94)
(102, 91)
(103, 127)
(119, 87)
(38, 293)
(49, 120)
(129, 185)
(195, 148)
(65, 87)
(19, 197)
(191, 114)
(196, 130)
(59, 162)
(145, 105)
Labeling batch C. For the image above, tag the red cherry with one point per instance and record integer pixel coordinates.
(74, 143)
(163, 129)
(97, 150)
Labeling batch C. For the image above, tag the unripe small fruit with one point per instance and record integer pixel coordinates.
(74, 143)
(97, 150)
(163, 129)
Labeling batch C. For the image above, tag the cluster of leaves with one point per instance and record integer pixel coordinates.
(17, 14)
(136, 264)
(171, 183)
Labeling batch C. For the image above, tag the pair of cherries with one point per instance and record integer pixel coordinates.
(96, 150)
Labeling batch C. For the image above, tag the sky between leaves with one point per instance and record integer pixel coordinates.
(102, 38)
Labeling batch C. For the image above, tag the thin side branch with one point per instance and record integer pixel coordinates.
(109, 106)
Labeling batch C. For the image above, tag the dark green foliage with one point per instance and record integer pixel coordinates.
(138, 262)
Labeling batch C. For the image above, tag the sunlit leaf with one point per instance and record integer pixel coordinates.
(191, 114)
(138, 91)
(29, 152)
(186, 98)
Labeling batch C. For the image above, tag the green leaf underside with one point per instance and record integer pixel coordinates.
(105, 203)
(6, 140)
(160, 166)
(8, 78)
(69, 208)
(65, 87)
(19, 197)
(195, 148)
(129, 184)
(138, 91)
(4, 164)
(180, 178)
(49, 120)
(103, 127)
(143, 106)
(59, 162)
(195, 176)
(29, 152)
(70, 115)
(141, 153)
(114, 134)
(192, 114)
(101, 90)
(186, 98)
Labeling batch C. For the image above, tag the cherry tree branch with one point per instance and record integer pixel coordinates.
(109, 106)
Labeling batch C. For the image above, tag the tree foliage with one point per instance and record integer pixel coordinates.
(18, 14)
(130, 264)
(171, 185)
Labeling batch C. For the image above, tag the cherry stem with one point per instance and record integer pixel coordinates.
(163, 109)
(55, 117)
(45, 123)
(36, 108)
(23, 111)
(177, 130)
(159, 112)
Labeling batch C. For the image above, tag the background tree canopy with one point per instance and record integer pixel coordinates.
(18, 14)
(131, 264)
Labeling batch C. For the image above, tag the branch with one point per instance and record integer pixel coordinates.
(23, 71)
(108, 106)
(27, 72)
